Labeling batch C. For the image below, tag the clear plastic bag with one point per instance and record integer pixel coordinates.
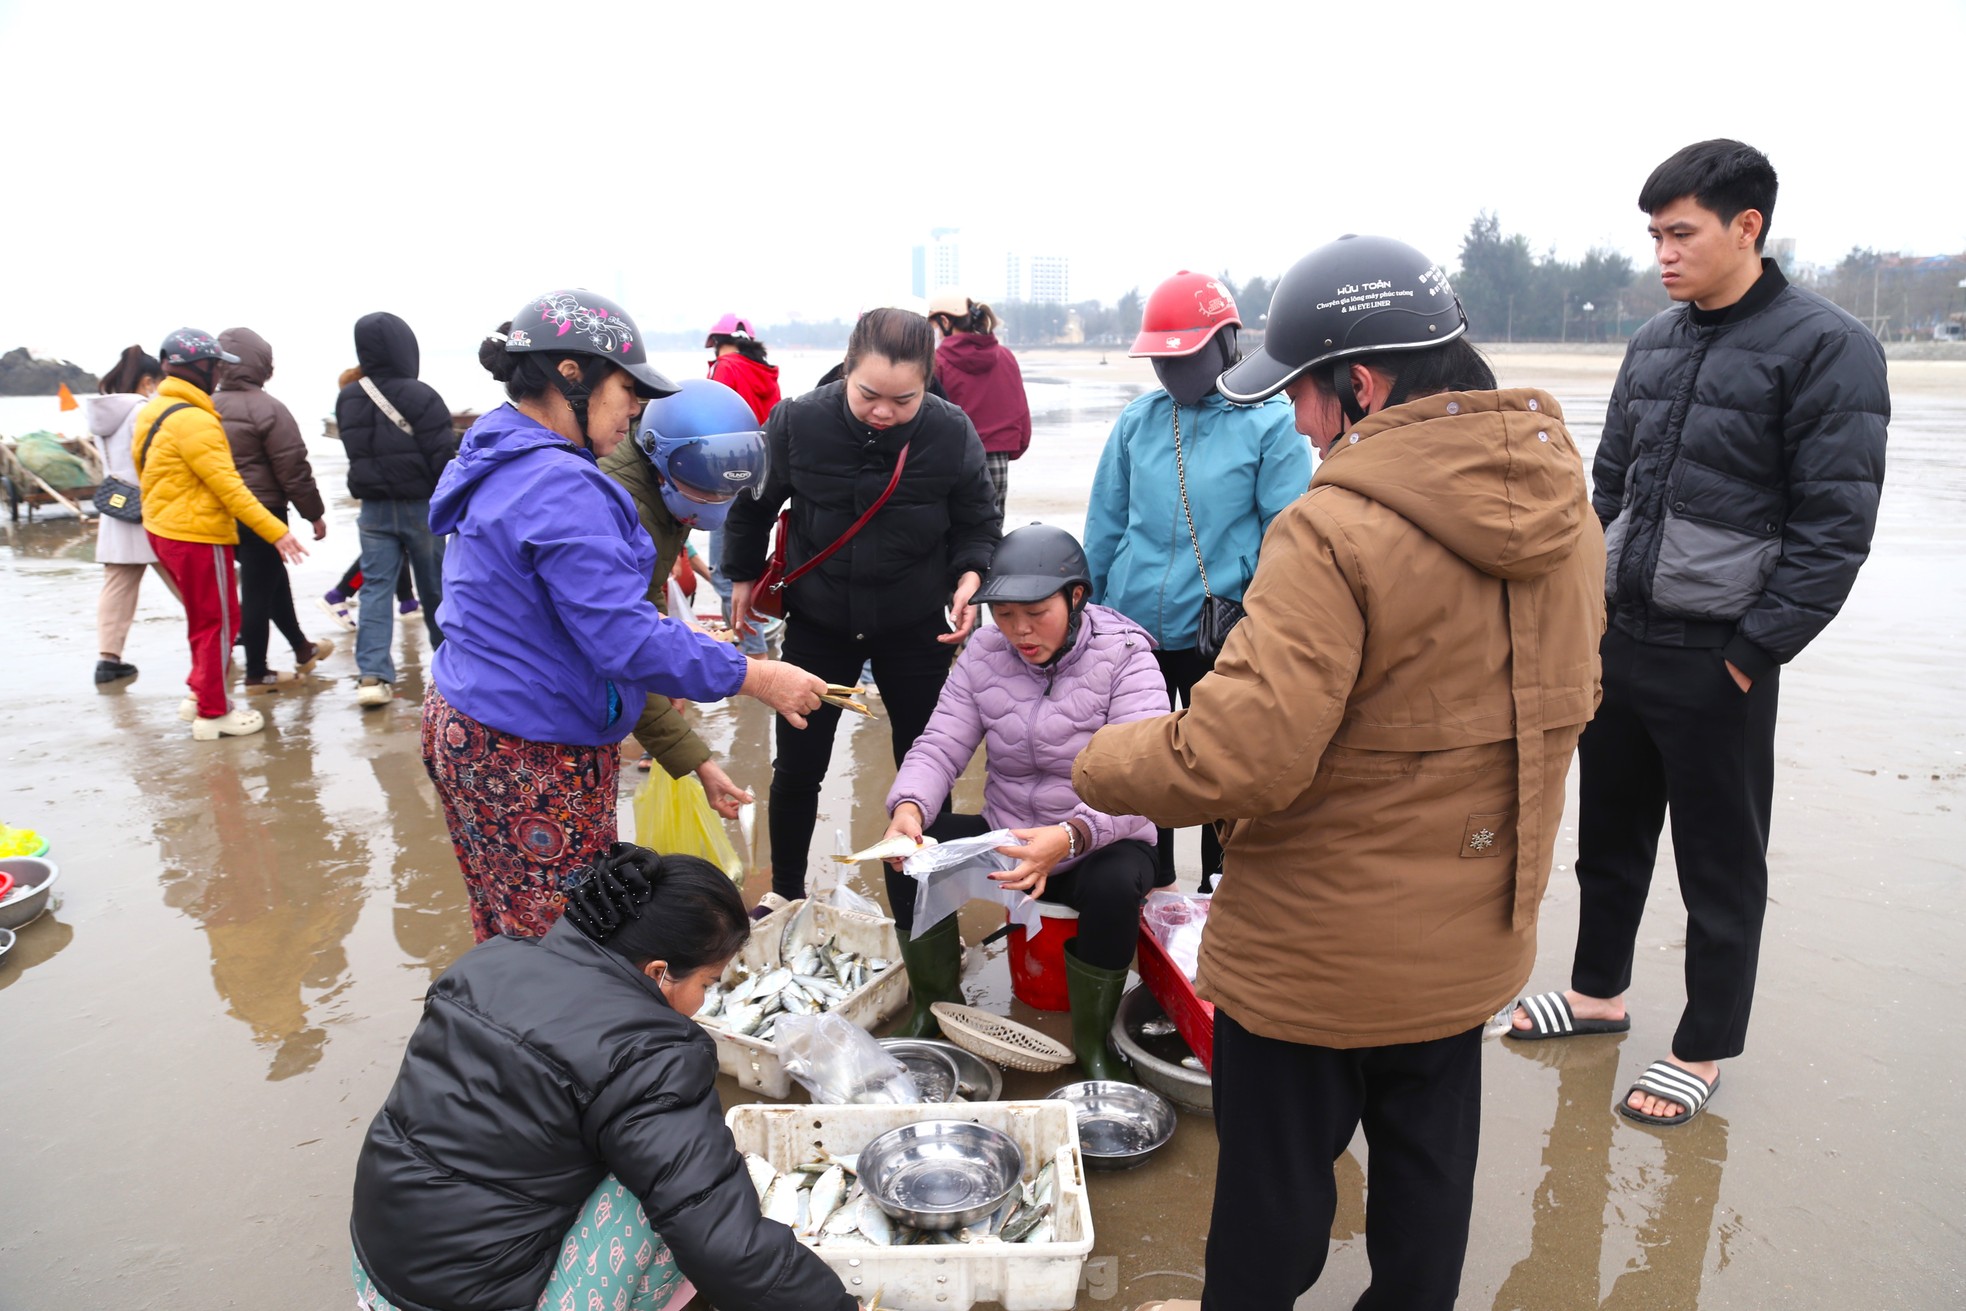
(1177, 919)
(840, 1064)
(952, 873)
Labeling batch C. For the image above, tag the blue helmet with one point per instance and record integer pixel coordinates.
(707, 449)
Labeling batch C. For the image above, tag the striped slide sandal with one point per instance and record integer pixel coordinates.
(1664, 1079)
(1550, 1016)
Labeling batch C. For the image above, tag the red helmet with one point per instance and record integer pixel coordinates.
(1182, 314)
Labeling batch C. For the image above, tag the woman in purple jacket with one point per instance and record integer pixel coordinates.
(1034, 689)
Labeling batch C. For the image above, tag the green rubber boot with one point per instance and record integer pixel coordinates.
(1095, 996)
(935, 972)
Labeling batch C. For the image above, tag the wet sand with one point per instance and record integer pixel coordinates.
(193, 1044)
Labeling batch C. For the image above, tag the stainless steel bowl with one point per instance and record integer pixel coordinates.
(34, 881)
(940, 1174)
(6, 941)
(1120, 1124)
(1158, 1054)
(934, 1073)
(977, 1080)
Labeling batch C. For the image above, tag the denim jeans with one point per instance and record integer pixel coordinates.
(754, 643)
(395, 534)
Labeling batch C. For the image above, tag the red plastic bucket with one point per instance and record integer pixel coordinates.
(1037, 966)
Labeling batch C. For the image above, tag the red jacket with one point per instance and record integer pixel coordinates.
(982, 377)
(756, 383)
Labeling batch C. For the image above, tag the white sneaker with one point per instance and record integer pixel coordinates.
(374, 692)
(187, 709)
(234, 723)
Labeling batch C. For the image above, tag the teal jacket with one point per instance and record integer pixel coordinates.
(1245, 464)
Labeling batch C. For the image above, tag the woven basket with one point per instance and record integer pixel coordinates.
(996, 1039)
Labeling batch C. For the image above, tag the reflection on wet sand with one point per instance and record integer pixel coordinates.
(1665, 1206)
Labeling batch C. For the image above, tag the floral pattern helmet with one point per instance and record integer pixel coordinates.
(579, 322)
(189, 345)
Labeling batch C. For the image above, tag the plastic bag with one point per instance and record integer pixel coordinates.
(829, 885)
(840, 1064)
(673, 816)
(951, 873)
(1177, 920)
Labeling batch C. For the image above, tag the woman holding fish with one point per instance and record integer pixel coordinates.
(551, 647)
(891, 480)
(555, 1133)
(1032, 691)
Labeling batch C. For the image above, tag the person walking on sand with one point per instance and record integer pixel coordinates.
(271, 457)
(981, 376)
(551, 646)
(1186, 487)
(122, 546)
(399, 437)
(1386, 735)
(1738, 479)
(193, 504)
(891, 526)
(695, 453)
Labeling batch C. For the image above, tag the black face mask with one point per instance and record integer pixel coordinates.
(1189, 379)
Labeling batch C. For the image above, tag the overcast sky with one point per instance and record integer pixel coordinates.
(292, 165)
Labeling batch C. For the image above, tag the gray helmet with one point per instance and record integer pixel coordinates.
(1355, 296)
(1032, 563)
(189, 345)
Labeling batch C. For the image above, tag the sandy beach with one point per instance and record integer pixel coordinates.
(192, 1045)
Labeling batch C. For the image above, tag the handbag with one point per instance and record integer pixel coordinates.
(1218, 613)
(768, 597)
(118, 499)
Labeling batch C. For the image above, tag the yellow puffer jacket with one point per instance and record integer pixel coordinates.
(192, 491)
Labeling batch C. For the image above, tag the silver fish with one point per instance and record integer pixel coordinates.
(845, 1218)
(1020, 1225)
(782, 1201)
(795, 928)
(762, 1175)
(745, 1019)
(826, 1195)
(874, 1222)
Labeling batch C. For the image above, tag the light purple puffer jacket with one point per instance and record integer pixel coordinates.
(1034, 722)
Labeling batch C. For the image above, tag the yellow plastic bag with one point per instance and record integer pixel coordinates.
(673, 816)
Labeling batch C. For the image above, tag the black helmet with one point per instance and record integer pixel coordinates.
(1355, 296)
(189, 345)
(1032, 563)
(581, 323)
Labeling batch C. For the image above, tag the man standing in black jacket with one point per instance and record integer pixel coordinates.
(1738, 481)
(399, 438)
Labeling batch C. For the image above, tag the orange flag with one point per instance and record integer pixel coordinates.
(68, 401)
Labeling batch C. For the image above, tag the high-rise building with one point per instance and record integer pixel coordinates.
(939, 263)
(1051, 279)
(1013, 278)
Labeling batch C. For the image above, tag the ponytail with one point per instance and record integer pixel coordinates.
(528, 375)
(131, 368)
(642, 906)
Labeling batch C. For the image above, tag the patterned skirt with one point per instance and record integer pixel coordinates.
(611, 1260)
(523, 816)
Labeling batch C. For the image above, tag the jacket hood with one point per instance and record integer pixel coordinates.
(255, 364)
(1492, 476)
(106, 413)
(968, 352)
(385, 347)
(497, 439)
(743, 363)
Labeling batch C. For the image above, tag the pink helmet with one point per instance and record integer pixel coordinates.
(730, 325)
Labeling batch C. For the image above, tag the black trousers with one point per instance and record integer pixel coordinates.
(1285, 1111)
(910, 667)
(1106, 889)
(1182, 670)
(1676, 734)
(266, 601)
(351, 581)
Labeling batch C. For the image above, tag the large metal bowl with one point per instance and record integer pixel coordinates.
(1158, 1054)
(34, 881)
(1120, 1124)
(935, 1075)
(940, 1174)
(6, 941)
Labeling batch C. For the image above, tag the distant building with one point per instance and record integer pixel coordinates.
(1051, 279)
(939, 263)
(1013, 279)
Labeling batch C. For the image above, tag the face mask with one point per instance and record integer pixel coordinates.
(1189, 379)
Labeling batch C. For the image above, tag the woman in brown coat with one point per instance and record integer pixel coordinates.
(1384, 740)
(272, 459)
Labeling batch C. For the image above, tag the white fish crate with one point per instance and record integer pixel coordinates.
(754, 1063)
(949, 1276)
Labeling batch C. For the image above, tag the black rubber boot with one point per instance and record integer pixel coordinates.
(935, 973)
(1095, 996)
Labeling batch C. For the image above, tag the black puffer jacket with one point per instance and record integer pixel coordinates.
(384, 462)
(899, 571)
(1739, 473)
(540, 1065)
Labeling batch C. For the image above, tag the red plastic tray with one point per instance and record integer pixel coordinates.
(1193, 1017)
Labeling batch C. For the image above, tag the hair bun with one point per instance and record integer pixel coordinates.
(497, 361)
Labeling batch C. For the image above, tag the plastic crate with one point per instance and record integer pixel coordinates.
(1193, 1017)
(754, 1063)
(944, 1277)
